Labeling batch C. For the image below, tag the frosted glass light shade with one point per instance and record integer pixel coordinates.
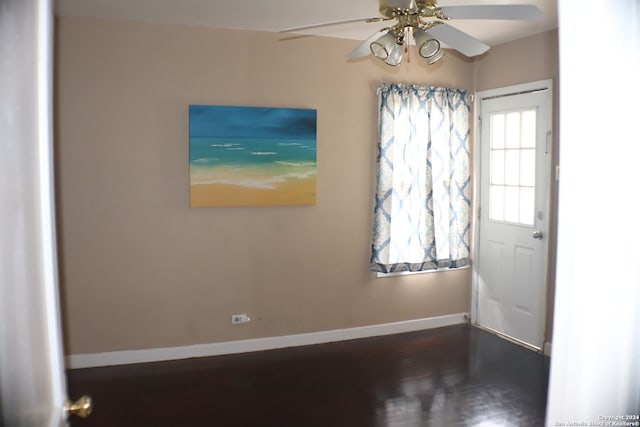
(427, 46)
(395, 56)
(435, 58)
(383, 46)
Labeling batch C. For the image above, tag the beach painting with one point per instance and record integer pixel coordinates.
(251, 156)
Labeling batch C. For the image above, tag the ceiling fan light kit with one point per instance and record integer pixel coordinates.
(429, 26)
(390, 46)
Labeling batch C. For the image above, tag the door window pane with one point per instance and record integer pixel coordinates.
(497, 131)
(528, 129)
(528, 168)
(512, 167)
(497, 203)
(511, 204)
(497, 167)
(527, 205)
(513, 131)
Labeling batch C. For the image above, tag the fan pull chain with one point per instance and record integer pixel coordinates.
(407, 51)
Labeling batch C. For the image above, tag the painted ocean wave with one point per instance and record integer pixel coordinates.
(227, 145)
(251, 152)
(300, 175)
(266, 184)
(296, 164)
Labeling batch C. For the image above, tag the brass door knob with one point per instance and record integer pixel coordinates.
(81, 407)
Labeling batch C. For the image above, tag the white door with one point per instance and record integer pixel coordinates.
(514, 210)
(32, 383)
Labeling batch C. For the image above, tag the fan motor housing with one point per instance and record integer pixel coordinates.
(423, 8)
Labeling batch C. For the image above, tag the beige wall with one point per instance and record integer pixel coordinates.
(525, 60)
(529, 59)
(140, 269)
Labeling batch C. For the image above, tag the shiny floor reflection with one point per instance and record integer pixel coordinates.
(453, 376)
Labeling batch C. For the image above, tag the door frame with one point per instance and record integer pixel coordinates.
(517, 89)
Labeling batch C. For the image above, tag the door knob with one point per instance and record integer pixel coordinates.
(81, 407)
(538, 235)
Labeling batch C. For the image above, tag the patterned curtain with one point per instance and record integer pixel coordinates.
(422, 202)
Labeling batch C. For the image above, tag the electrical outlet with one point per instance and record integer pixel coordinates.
(237, 319)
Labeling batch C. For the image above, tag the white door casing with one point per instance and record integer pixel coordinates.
(512, 243)
(32, 383)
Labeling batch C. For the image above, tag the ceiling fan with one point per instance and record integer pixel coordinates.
(426, 23)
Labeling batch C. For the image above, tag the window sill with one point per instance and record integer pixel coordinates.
(411, 273)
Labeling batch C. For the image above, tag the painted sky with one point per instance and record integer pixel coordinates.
(251, 122)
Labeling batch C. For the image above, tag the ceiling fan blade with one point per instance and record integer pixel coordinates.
(524, 12)
(327, 24)
(363, 49)
(458, 40)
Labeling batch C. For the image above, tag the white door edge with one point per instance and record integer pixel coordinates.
(47, 201)
(546, 85)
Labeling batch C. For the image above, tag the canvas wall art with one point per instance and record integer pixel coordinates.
(251, 156)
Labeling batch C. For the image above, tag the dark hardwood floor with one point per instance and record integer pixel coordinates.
(453, 376)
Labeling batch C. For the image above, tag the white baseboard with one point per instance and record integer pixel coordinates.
(126, 357)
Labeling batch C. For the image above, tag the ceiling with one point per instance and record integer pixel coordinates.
(275, 15)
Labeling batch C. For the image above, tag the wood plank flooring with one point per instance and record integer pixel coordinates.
(452, 376)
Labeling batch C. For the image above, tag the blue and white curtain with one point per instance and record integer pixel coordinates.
(422, 202)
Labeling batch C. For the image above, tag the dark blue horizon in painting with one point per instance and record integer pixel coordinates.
(252, 122)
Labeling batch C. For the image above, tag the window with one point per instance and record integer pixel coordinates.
(422, 203)
(513, 167)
